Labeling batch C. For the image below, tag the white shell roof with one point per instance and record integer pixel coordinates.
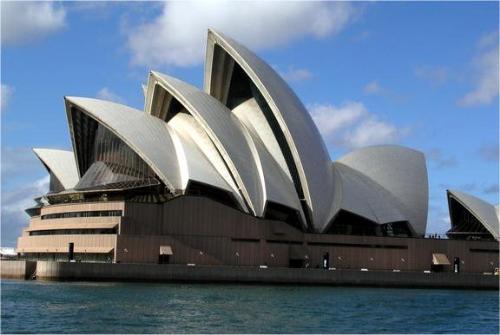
(243, 152)
(308, 150)
(198, 158)
(362, 196)
(402, 172)
(224, 130)
(143, 133)
(250, 114)
(61, 163)
(486, 213)
(277, 185)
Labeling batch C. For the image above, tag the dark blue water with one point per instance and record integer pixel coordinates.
(55, 307)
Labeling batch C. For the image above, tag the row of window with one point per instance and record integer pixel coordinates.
(81, 214)
(108, 162)
(73, 232)
(329, 244)
(63, 257)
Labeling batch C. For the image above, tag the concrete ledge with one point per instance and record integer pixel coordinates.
(17, 269)
(224, 274)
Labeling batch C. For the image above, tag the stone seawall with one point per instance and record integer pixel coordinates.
(222, 274)
(17, 269)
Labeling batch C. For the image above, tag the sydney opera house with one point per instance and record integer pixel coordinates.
(238, 174)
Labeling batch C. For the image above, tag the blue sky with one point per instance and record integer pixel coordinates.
(424, 75)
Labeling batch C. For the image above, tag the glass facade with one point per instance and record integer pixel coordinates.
(347, 223)
(55, 185)
(33, 211)
(73, 232)
(466, 226)
(63, 257)
(200, 189)
(107, 162)
(396, 229)
(81, 214)
(278, 212)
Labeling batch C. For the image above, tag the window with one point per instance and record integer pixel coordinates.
(81, 214)
(105, 160)
(73, 232)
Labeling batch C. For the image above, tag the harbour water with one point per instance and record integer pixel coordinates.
(89, 307)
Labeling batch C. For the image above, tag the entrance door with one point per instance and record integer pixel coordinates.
(165, 252)
(164, 259)
(296, 263)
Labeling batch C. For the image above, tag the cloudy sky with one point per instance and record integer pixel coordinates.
(424, 75)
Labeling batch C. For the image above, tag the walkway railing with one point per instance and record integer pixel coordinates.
(436, 236)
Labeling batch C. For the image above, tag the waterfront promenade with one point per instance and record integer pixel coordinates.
(43, 270)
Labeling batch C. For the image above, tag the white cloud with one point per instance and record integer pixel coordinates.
(491, 189)
(18, 162)
(92, 6)
(440, 159)
(485, 74)
(372, 87)
(373, 131)
(488, 40)
(362, 36)
(21, 198)
(13, 205)
(27, 21)
(352, 125)
(294, 74)
(436, 76)
(438, 221)
(329, 118)
(106, 94)
(258, 24)
(490, 152)
(375, 88)
(6, 94)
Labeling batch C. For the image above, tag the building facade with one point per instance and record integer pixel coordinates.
(236, 174)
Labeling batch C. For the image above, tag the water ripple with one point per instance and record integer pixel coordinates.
(70, 307)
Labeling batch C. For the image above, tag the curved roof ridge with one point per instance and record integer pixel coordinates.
(61, 163)
(224, 130)
(342, 186)
(149, 137)
(250, 114)
(371, 183)
(384, 205)
(308, 152)
(200, 160)
(400, 170)
(484, 212)
(382, 146)
(277, 186)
